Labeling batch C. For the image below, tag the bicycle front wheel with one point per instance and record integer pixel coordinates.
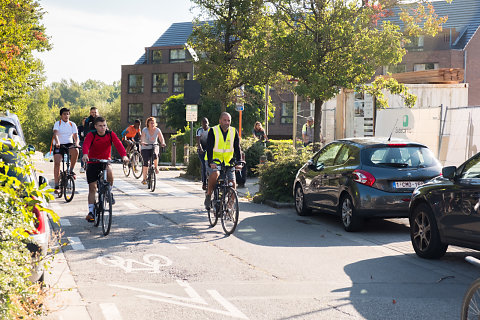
(153, 180)
(137, 162)
(68, 188)
(471, 302)
(107, 212)
(214, 209)
(98, 211)
(61, 183)
(229, 211)
(126, 169)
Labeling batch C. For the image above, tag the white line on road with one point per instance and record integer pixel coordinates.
(130, 205)
(247, 229)
(167, 188)
(65, 222)
(110, 311)
(75, 243)
(129, 188)
(170, 240)
(152, 224)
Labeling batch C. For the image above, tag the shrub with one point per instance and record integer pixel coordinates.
(276, 177)
(193, 168)
(19, 297)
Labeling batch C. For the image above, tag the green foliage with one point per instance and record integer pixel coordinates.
(21, 34)
(175, 112)
(44, 105)
(378, 86)
(233, 47)
(193, 167)
(276, 177)
(19, 298)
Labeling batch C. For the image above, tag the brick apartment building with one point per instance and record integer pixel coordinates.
(161, 70)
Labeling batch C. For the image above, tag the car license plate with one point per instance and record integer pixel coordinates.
(407, 184)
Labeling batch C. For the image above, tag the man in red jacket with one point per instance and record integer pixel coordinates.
(98, 145)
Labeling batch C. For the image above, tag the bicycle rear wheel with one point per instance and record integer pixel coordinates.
(153, 180)
(126, 169)
(471, 302)
(214, 209)
(137, 162)
(107, 212)
(68, 188)
(229, 211)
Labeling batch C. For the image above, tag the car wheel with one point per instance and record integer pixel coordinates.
(351, 221)
(300, 203)
(424, 233)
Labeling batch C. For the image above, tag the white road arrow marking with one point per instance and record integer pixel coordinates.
(194, 297)
(110, 311)
(75, 243)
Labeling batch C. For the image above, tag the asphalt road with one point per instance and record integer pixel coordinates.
(162, 261)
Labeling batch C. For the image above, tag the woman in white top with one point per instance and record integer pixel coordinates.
(150, 135)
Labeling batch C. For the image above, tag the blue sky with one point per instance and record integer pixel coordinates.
(92, 39)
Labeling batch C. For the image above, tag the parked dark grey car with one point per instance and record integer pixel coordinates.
(446, 211)
(362, 178)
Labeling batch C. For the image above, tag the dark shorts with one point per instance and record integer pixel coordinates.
(147, 154)
(93, 170)
(62, 149)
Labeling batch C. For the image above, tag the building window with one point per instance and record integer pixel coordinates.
(178, 79)
(415, 44)
(286, 112)
(135, 83)
(160, 82)
(425, 66)
(156, 56)
(398, 68)
(157, 112)
(177, 55)
(135, 111)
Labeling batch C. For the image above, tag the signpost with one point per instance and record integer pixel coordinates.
(191, 116)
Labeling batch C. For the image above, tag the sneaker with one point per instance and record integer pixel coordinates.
(82, 170)
(207, 202)
(204, 186)
(90, 217)
(57, 189)
(144, 181)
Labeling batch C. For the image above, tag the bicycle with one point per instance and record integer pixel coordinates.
(103, 204)
(225, 201)
(66, 181)
(471, 300)
(151, 175)
(135, 164)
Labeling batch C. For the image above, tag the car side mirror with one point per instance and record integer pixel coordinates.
(42, 180)
(449, 172)
(310, 164)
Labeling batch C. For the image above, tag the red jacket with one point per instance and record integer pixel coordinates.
(100, 147)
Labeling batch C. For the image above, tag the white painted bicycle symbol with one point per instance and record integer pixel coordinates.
(152, 263)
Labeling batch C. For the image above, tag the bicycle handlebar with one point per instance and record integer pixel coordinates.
(235, 163)
(100, 160)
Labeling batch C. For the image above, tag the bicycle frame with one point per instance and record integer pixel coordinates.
(471, 300)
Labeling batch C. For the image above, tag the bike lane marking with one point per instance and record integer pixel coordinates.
(75, 243)
(194, 300)
(151, 263)
(170, 240)
(110, 311)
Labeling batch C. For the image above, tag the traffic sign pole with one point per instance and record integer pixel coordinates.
(240, 124)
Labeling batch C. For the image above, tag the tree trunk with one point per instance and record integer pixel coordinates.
(317, 121)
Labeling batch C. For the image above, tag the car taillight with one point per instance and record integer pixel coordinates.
(40, 221)
(363, 177)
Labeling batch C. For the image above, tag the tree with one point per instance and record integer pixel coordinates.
(232, 48)
(327, 45)
(21, 33)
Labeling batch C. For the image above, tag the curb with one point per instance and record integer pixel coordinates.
(279, 205)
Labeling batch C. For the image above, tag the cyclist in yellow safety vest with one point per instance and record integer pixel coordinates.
(223, 144)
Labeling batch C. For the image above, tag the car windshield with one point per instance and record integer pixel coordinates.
(399, 157)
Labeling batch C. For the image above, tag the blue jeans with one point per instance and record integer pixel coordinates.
(201, 156)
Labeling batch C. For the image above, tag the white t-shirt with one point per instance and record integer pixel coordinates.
(65, 131)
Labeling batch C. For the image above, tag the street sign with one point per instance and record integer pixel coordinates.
(239, 107)
(192, 111)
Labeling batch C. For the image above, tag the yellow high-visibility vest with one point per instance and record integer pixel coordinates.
(223, 149)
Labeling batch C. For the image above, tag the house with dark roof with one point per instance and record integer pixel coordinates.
(160, 72)
(456, 46)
